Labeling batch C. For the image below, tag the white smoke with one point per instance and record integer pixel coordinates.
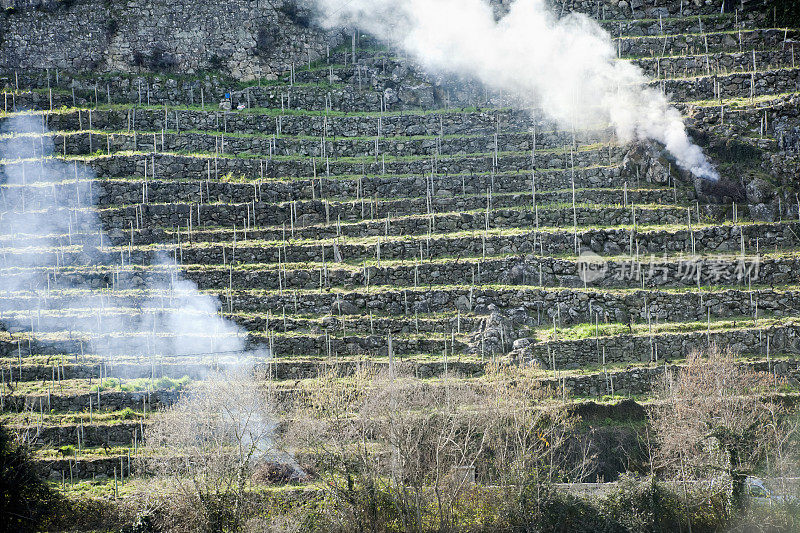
(53, 249)
(566, 66)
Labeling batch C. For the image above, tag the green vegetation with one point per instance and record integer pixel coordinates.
(26, 501)
(141, 384)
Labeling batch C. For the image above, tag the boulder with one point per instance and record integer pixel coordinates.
(344, 308)
(762, 212)
(462, 304)
(758, 191)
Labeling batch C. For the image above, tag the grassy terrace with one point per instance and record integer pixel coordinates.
(732, 32)
(641, 230)
(585, 148)
(437, 329)
(746, 104)
(254, 111)
(786, 255)
(300, 387)
(524, 134)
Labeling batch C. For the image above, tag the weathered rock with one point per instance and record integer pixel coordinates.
(758, 191)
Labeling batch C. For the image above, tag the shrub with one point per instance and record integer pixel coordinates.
(111, 28)
(786, 13)
(67, 451)
(129, 414)
(266, 39)
(157, 60)
(25, 498)
(295, 14)
(645, 505)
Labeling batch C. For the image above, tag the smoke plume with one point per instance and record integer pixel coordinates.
(568, 67)
(65, 281)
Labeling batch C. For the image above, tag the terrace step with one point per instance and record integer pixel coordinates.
(68, 470)
(745, 116)
(724, 62)
(179, 166)
(674, 25)
(181, 196)
(311, 195)
(285, 368)
(114, 401)
(736, 85)
(312, 97)
(545, 214)
(571, 305)
(547, 241)
(537, 304)
(296, 123)
(238, 226)
(88, 142)
(614, 272)
(697, 43)
(649, 10)
(91, 434)
(637, 381)
(747, 338)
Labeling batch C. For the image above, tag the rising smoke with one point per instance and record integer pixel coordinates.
(65, 281)
(568, 67)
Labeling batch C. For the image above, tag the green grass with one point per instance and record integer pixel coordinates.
(144, 134)
(142, 384)
(590, 331)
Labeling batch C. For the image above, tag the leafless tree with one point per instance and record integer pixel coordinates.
(533, 438)
(717, 417)
(208, 444)
(409, 450)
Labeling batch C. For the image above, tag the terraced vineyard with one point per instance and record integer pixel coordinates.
(356, 212)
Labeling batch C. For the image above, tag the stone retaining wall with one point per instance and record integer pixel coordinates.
(246, 38)
(569, 354)
(641, 380)
(448, 122)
